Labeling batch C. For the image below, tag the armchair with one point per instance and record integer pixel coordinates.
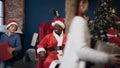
(44, 29)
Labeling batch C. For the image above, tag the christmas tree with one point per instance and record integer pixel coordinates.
(105, 17)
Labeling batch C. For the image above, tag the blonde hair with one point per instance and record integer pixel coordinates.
(71, 9)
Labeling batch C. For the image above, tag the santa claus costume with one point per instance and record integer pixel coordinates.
(77, 46)
(112, 36)
(53, 45)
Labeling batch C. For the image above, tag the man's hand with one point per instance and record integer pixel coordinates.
(42, 55)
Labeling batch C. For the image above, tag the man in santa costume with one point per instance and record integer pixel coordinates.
(77, 50)
(52, 45)
(112, 36)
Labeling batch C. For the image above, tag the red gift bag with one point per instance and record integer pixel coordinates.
(4, 52)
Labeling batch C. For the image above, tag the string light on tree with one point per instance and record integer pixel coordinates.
(105, 16)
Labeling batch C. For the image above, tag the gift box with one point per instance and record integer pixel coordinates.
(107, 47)
(4, 52)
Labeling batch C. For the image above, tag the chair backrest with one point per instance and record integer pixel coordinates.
(44, 29)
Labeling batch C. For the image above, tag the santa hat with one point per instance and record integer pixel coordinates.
(58, 21)
(11, 22)
(112, 32)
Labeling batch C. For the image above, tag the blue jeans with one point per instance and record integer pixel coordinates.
(2, 64)
(112, 66)
(6, 65)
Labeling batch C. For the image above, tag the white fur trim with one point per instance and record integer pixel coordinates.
(54, 63)
(59, 23)
(110, 35)
(40, 49)
(11, 24)
(59, 40)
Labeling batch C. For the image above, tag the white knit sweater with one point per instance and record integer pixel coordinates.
(77, 47)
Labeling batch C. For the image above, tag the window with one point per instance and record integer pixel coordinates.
(1, 12)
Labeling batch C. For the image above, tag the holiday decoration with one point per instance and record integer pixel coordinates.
(105, 17)
(4, 51)
(55, 12)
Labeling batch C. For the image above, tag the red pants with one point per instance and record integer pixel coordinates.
(40, 64)
(50, 62)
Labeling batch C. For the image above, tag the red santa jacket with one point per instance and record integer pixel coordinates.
(49, 41)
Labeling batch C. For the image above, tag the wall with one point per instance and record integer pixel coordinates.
(36, 12)
(14, 9)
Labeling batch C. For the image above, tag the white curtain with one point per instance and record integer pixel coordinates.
(1, 13)
(2, 27)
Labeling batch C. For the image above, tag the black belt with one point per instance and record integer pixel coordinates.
(56, 48)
